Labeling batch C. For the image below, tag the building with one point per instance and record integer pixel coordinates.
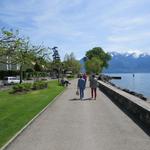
(8, 66)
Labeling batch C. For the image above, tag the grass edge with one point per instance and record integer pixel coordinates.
(30, 122)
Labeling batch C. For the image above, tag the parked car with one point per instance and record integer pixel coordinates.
(10, 80)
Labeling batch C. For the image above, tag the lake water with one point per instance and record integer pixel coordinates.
(139, 83)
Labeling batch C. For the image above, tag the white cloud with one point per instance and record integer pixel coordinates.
(129, 38)
(79, 25)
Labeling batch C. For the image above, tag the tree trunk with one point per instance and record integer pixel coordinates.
(21, 74)
(58, 75)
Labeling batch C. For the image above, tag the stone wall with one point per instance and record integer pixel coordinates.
(139, 108)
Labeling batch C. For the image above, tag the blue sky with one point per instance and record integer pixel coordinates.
(79, 25)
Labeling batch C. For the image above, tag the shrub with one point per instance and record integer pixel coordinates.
(17, 88)
(25, 87)
(22, 87)
(40, 85)
(70, 76)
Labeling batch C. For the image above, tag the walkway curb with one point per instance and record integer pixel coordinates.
(30, 122)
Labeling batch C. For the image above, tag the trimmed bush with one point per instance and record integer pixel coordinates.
(40, 85)
(22, 87)
(17, 88)
(25, 87)
(70, 76)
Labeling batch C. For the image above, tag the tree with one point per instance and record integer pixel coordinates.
(10, 46)
(8, 42)
(56, 56)
(71, 64)
(19, 50)
(27, 54)
(57, 65)
(94, 65)
(99, 55)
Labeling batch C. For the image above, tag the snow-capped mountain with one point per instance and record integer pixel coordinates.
(134, 54)
(126, 63)
(129, 62)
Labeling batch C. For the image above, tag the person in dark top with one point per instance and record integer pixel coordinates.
(93, 86)
(85, 78)
(81, 86)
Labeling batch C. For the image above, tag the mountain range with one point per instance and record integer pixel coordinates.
(126, 63)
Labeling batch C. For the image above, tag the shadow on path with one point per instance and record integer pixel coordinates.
(78, 99)
(75, 99)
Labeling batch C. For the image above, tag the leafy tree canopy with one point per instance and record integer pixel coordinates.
(100, 54)
(56, 56)
(93, 65)
(15, 49)
(71, 64)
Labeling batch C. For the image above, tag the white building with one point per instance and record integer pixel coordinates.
(8, 65)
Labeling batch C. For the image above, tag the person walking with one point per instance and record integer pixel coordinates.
(93, 86)
(90, 78)
(85, 78)
(81, 86)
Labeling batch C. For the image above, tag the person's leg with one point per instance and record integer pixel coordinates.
(81, 93)
(92, 92)
(95, 94)
(66, 82)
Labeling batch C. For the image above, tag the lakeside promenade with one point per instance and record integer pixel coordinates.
(72, 124)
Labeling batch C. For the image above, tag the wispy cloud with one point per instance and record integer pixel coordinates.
(130, 37)
(79, 25)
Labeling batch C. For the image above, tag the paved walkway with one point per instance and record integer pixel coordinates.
(71, 124)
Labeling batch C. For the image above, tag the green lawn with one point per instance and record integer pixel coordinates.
(17, 110)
